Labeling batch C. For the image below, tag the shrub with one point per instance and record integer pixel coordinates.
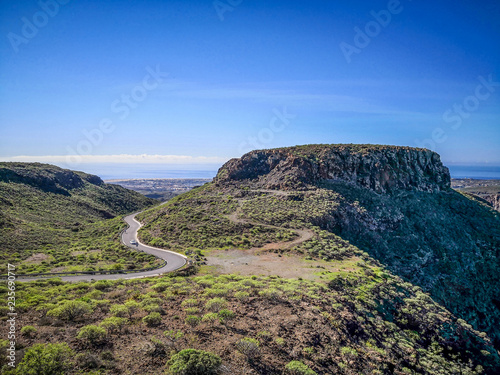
(154, 308)
(192, 320)
(120, 311)
(132, 306)
(194, 362)
(28, 331)
(215, 304)
(189, 302)
(87, 360)
(113, 324)
(160, 287)
(93, 334)
(298, 368)
(70, 310)
(226, 314)
(210, 317)
(242, 296)
(102, 305)
(41, 359)
(152, 319)
(102, 285)
(248, 347)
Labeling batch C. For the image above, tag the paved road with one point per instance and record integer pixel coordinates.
(174, 260)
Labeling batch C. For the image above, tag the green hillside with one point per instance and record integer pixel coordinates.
(398, 276)
(52, 219)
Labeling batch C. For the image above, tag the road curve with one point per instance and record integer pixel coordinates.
(174, 260)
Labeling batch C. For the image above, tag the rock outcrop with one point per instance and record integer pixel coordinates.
(46, 177)
(380, 168)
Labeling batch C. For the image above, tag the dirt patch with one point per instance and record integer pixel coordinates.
(37, 258)
(247, 262)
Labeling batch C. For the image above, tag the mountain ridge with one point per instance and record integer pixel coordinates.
(377, 167)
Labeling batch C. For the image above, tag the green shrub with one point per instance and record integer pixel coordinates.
(152, 319)
(226, 314)
(192, 320)
(194, 362)
(132, 306)
(70, 310)
(160, 287)
(113, 324)
(210, 317)
(45, 359)
(215, 304)
(93, 334)
(28, 331)
(298, 368)
(102, 285)
(242, 296)
(189, 302)
(120, 311)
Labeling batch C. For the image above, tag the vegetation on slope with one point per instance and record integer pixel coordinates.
(368, 322)
(53, 219)
(430, 235)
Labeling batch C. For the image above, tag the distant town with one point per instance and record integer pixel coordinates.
(160, 188)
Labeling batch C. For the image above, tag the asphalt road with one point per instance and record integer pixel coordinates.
(174, 260)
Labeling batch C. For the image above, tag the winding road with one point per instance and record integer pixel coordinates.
(174, 260)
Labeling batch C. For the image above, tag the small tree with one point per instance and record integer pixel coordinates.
(194, 362)
(45, 359)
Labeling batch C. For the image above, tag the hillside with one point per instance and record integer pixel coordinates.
(334, 303)
(53, 219)
(393, 203)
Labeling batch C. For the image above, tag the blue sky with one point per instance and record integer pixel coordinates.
(194, 83)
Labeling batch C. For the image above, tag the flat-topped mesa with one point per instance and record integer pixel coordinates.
(380, 168)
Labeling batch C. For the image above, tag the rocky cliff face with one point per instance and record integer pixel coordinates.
(380, 168)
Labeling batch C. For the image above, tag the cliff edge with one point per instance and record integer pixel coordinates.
(380, 168)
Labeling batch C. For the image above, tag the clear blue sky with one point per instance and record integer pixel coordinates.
(259, 74)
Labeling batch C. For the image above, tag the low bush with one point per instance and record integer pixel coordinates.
(298, 368)
(92, 334)
(153, 319)
(194, 362)
(42, 359)
(70, 310)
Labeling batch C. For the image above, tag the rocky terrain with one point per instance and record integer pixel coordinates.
(396, 204)
(379, 168)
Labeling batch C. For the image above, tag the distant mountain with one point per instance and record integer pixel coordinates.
(393, 203)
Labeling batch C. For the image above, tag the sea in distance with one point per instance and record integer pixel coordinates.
(138, 171)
